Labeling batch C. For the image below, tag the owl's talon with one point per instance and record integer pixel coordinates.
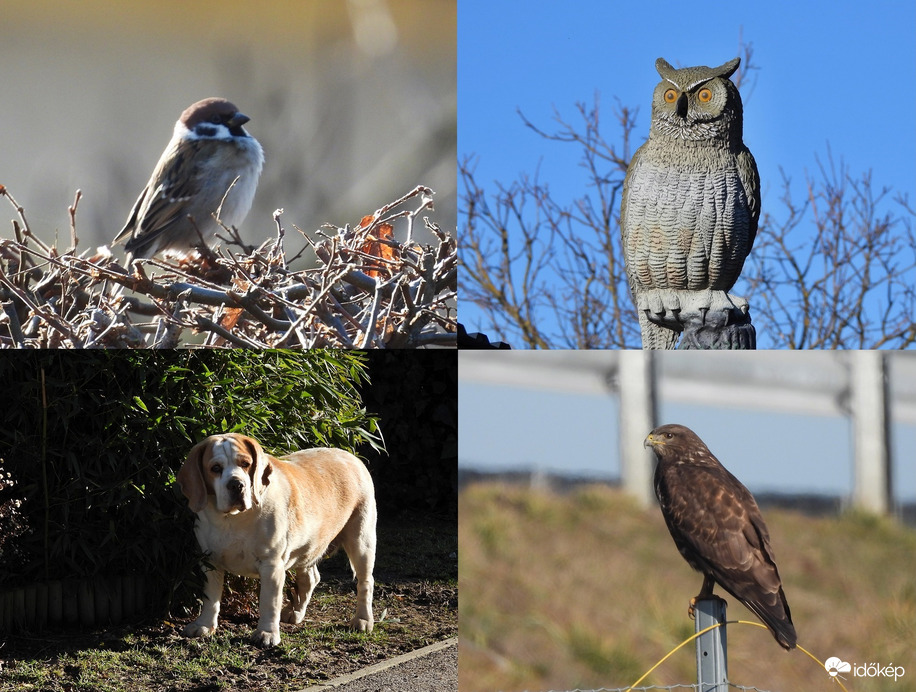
(662, 306)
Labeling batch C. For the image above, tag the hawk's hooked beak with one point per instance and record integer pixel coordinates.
(650, 441)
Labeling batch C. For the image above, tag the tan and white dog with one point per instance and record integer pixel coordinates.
(259, 516)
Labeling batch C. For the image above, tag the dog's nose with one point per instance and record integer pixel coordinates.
(235, 486)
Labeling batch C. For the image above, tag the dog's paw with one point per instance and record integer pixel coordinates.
(196, 629)
(291, 616)
(264, 638)
(361, 624)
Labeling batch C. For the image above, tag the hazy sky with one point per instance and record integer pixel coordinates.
(825, 76)
(353, 103)
(504, 427)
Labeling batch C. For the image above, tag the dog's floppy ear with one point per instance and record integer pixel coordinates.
(191, 478)
(261, 468)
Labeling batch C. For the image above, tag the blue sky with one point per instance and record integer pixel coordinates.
(828, 73)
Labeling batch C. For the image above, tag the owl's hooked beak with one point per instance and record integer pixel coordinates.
(681, 106)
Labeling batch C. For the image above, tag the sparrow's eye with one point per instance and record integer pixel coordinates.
(216, 120)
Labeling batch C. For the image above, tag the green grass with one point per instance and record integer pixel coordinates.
(586, 590)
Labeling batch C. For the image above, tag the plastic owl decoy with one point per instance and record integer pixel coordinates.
(691, 202)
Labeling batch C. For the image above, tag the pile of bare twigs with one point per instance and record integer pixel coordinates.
(363, 289)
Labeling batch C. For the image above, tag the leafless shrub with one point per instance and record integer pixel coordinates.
(367, 290)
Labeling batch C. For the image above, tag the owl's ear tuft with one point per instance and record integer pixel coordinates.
(665, 70)
(728, 69)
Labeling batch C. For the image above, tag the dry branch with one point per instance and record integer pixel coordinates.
(363, 290)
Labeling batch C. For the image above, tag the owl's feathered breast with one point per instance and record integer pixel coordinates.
(689, 214)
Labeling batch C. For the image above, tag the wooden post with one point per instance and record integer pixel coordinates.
(712, 660)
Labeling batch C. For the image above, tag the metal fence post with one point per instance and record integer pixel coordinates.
(712, 661)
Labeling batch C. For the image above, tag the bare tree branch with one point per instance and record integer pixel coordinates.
(835, 272)
(524, 255)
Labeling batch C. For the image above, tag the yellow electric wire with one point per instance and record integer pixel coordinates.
(712, 627)
(814, 658)
(665, 657)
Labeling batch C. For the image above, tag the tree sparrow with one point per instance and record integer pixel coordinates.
(194, 178)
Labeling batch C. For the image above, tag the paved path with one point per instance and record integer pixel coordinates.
(433, 668)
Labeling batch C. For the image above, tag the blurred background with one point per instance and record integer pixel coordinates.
(353, 102)
(784, 423)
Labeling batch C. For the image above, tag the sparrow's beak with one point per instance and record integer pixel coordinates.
(235, 125)
(238, 120)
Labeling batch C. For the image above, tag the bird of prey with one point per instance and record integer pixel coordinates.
(717, 527)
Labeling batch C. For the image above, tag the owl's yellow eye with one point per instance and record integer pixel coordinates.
(670, 96)
(705, 95)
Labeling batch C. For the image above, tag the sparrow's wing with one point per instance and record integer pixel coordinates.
(163, 202)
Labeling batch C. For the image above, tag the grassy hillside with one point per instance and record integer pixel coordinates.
(586, 590)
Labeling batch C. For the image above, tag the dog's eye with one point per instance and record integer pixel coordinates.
(216, 468)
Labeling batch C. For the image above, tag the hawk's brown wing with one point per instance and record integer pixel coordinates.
(719, 530)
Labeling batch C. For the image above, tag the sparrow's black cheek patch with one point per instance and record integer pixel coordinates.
(205, 131)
